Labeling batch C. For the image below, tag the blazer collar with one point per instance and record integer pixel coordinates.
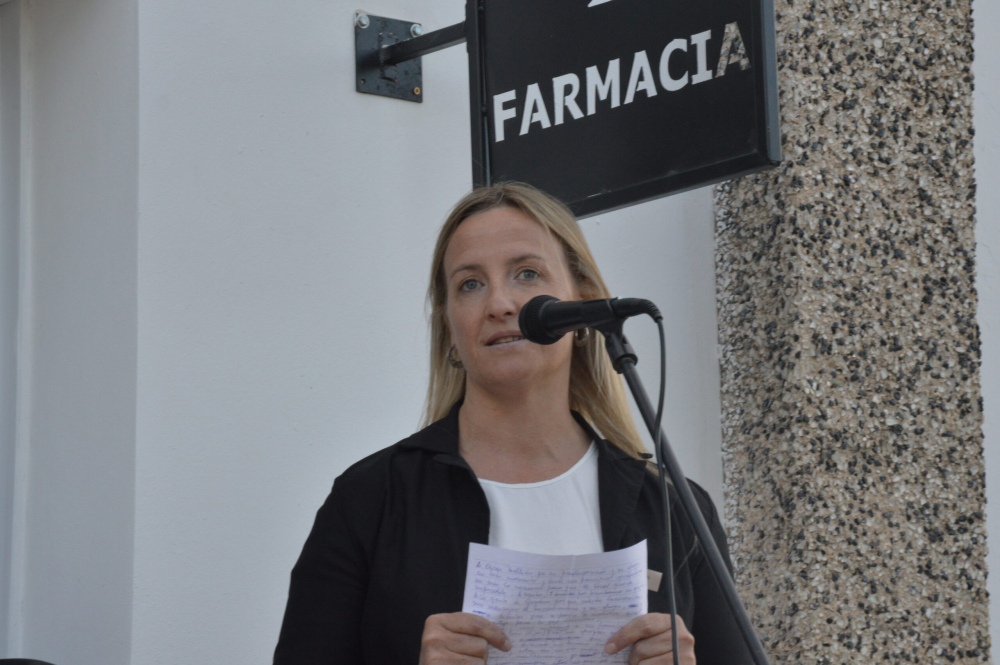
(438, 437)
(619, 475)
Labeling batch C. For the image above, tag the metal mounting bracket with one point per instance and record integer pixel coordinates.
(376, 77)
(387, 54)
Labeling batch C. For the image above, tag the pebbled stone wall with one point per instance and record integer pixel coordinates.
(849, 346)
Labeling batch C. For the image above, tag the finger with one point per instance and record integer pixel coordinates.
(659, 648)
(658, 654)
(475, 625)
(641, 627)
(439, 644)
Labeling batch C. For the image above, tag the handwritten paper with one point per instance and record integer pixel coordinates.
(556, 609)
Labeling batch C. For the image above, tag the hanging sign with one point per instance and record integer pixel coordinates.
(607, 103)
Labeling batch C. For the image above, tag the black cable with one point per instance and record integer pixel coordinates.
(668, 571)
(623, 359)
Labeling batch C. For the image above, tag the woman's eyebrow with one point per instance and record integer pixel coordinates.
(526, 257)
(466, 267)
(474, 267)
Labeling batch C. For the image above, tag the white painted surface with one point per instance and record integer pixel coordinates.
(986, 68)
(10, 181)
(665, 251)
(71, 586)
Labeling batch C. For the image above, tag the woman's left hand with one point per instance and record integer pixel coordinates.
(650, 638)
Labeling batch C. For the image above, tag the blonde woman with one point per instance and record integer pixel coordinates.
(529, 447)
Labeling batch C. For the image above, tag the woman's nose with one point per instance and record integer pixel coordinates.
(502, 303)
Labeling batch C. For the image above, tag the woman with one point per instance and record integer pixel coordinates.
(528, 447)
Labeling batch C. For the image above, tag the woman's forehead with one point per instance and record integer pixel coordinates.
(498, 230)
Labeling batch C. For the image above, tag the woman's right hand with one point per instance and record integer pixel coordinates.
(460, 637)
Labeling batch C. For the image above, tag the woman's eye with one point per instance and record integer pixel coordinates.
(469, 285)
(528, 274)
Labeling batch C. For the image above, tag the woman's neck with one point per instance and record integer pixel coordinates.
(522, 440)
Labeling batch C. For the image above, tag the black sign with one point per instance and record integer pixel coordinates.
(606, 103)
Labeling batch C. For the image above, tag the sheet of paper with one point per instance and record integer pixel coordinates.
(556, 609)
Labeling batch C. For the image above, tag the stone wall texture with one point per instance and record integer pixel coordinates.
(849, 345)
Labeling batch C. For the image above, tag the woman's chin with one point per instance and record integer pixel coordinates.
(516, 379)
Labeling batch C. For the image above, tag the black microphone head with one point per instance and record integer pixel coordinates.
(530, 321)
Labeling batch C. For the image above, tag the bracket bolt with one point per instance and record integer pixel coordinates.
(362, 21)
(416, 30)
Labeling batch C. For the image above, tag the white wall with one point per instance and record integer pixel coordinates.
(986, 68)
(70, 576)
(10, 149)
(285, 229)
(10, 131)
(665, 251)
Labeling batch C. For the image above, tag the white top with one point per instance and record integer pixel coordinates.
(556, 516)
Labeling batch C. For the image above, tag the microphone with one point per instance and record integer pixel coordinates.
(545, 319)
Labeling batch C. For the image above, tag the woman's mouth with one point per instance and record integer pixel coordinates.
(505, 340)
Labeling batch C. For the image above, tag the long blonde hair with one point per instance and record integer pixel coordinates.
(596, 390)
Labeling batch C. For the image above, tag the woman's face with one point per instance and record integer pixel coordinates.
(495, 262)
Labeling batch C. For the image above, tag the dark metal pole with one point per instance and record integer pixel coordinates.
(393, 54)
(623, 359)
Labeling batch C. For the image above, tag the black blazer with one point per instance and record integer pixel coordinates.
(389, 548)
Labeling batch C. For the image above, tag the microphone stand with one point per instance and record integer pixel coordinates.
(623, 359)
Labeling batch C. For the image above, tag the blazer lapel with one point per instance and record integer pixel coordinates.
(619, 482)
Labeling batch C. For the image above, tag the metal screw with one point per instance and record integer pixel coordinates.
(416, 30)
(362, 21)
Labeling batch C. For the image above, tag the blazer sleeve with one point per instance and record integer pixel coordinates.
(322, 623)
(718, 640)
